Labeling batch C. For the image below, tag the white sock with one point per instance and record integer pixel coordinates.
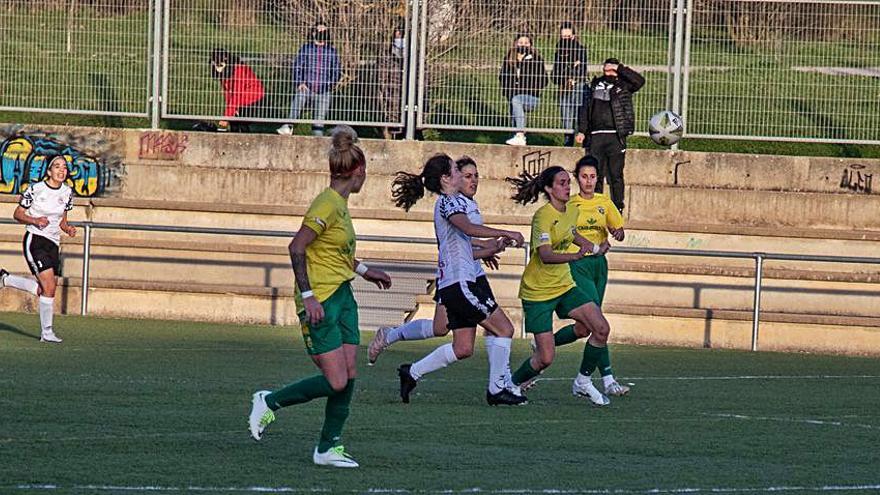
(411, 330)
(439, 358)
(46, 313)
(21, 283)
(607, 380)
(583, 379)
(498, 351)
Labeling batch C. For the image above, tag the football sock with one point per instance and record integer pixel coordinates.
(590, 359)
(525, 372)
(439, 358)
(411, 330)
(564, 336)
(607, 380)
(605, 361)
(46, 312)
(498, 351)
(299, 392)
(22, 283)
(335, 413)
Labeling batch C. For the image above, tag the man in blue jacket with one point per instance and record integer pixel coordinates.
(315, 73)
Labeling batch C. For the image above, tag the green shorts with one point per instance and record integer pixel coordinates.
(339, 326)
(590, 273)
(539, 314)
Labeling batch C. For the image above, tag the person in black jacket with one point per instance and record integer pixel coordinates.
(522, 78)
(605, 119)
(570, 76)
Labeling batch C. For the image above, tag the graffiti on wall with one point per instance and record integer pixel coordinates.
(857, 179)
(157, 145)
(93, 167)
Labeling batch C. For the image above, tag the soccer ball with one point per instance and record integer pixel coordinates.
(665, 128)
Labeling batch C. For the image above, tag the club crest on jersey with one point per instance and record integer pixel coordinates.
(591, 221)
(545, 237)
(601, 210)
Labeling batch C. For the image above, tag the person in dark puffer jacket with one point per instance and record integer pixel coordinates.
(522, 78)
(605, 119)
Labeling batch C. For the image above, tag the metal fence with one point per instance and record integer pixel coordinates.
(805, 70)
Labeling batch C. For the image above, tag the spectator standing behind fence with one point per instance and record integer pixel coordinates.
(316, 71)
(522, 77)
(390, 77)
(605, 119)
(242, 88)
(570, 75)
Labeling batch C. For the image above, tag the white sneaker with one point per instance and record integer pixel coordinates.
(3, 275)
(518, 139)
(50, 337)
(285, 130)
(616, 389)
(261, 416)
(588, 390)
(377, 345)
(335, 457)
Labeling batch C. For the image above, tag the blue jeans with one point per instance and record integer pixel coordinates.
(569, 102)
(320, 104)
(519, 105)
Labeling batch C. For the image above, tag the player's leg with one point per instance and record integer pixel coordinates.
(420, 329)
(25, 284)
(590, 316)
(501, 390)
(538, 317)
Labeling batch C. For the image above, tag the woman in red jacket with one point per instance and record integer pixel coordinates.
(241, 88)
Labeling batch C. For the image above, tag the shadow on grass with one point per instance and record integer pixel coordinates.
(11, 329)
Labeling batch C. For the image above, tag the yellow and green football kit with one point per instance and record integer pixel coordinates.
(594, 216)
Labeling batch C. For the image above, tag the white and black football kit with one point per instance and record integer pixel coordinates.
(41, 245)
(467, 302)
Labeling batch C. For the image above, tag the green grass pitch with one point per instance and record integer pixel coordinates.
(132, 406)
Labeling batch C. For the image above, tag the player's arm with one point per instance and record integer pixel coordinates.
(20, 215)
(461, 222)
(549, 257)
(374, 275)
(66, 227)
(297, 249)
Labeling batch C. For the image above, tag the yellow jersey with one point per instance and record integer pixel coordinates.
(330, 257)
(594, 217)
(540, 281)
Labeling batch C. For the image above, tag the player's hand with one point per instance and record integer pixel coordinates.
(491, 262)
(41, 222)
(70, 230)
(378, 277)
(516, 238)
(617, 234)
(604, 247)
(314, 310)
(584, 250)
(579, 139)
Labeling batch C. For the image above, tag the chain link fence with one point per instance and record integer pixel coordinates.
(804, 70)
(75, 56)
(285, 61)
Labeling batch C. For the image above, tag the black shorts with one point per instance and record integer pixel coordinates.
(482, 283)
(41, 254)
(467, 303)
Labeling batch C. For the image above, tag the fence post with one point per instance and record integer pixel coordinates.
(412, 65)
(670, 54)
(87, 254)
(756, 316)
(678, 49)
(686, 77)
(156, 56)
(526, 258)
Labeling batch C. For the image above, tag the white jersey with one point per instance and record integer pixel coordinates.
(473, 214)
(455, 261)
(41, 200)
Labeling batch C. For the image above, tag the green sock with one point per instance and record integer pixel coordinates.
(564, 336)
(299, 392)
(524, 373)
(591, 358)
(605, 361)
(335, 413)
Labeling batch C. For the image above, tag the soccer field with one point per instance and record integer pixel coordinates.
(129, 406)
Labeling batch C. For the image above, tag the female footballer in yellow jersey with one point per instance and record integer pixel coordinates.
(596, 218)
(322, 255)
(547, 285)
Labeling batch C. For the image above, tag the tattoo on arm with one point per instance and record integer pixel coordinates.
(298, 260)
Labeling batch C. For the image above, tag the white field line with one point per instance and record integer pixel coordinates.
(475, 490)
(737, 377)
(819, 422)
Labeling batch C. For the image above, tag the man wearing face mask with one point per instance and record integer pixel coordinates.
(390, 77)
(242, 88)
(569, 75)
(316, 71)
(605, 119)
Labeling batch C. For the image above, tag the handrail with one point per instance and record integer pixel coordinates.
(759, 257)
